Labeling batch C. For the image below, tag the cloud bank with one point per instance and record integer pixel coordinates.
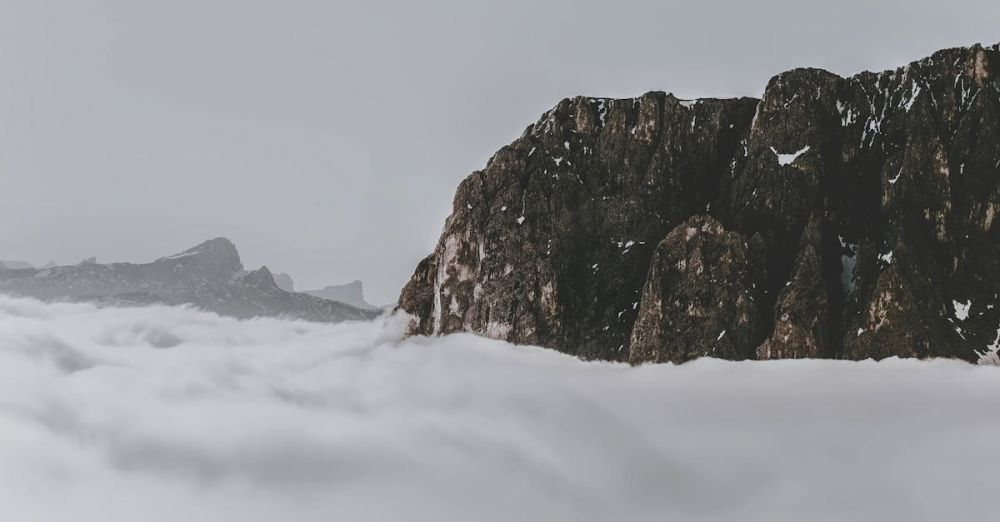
(173, 414)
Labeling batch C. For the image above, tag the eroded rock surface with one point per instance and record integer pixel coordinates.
(699, 298)
(872, 200)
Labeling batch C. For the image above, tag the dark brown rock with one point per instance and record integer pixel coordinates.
(802, 311)
(874, 201)
(551, 242)
(699, 297)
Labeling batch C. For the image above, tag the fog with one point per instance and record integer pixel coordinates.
(174, 414)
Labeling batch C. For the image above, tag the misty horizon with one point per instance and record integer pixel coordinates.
(326, 140)
(552, 260)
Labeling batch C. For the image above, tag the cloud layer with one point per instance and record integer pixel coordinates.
(172, 414)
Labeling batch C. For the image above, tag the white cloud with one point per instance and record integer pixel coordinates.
(173, 414)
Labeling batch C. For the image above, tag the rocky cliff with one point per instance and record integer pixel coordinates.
(209, 276)
(833, 217)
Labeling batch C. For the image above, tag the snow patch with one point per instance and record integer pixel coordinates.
(991, 355)
(788, 159)
(602, 112)
(962, 309)
(848, 264)
(914, 93)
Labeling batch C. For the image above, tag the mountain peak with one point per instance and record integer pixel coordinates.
(218, 255)
(284, 281)
(262, 277)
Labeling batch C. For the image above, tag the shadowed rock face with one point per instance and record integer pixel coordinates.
(868, 204)
(699, 296)
(209, 276)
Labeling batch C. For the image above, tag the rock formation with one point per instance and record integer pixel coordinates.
(699, 296)
(834, 217)
(209, 276)
(284, 282)
(352, 293)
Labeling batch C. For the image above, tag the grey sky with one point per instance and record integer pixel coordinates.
(326, 138)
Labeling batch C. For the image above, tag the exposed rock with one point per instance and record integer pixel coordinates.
(551, 243)
(261, 278)
(802, 312)
(873, 200)
(699, 296)
(209, 276)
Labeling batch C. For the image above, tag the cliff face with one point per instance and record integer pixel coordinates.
(835, 217)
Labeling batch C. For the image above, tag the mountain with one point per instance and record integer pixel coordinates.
(351, 293)
(15, 265)
(284, 282)
(209, 276)
(834, 217)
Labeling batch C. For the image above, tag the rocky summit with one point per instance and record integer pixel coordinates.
(209, 276)
(834, 217)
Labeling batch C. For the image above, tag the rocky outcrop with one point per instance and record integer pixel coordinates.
(209, 276)
(803, 308)
(699, 296)
(869, 204)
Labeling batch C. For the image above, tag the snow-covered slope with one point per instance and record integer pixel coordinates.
(162, 413)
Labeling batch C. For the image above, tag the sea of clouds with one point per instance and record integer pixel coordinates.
(158, 414)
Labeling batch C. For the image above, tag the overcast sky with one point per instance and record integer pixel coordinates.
(326, 138)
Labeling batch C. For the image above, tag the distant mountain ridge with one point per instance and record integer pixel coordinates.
(351, 293)
(209, 276)
(15, 264)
